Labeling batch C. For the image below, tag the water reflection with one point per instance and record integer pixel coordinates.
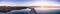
(23, 11)
(56, 11)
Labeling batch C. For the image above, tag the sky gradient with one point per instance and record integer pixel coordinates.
(29, 2)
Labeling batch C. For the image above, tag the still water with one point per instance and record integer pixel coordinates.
(48, 11)
(23, 11)
(38, 11)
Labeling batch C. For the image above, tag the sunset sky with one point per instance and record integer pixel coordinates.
(29, 2)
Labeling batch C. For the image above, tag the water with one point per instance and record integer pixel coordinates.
(23, 11)
(56, 11)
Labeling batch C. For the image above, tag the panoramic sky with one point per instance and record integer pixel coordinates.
(29, 2)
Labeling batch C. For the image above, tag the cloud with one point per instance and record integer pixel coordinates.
(28, 3)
